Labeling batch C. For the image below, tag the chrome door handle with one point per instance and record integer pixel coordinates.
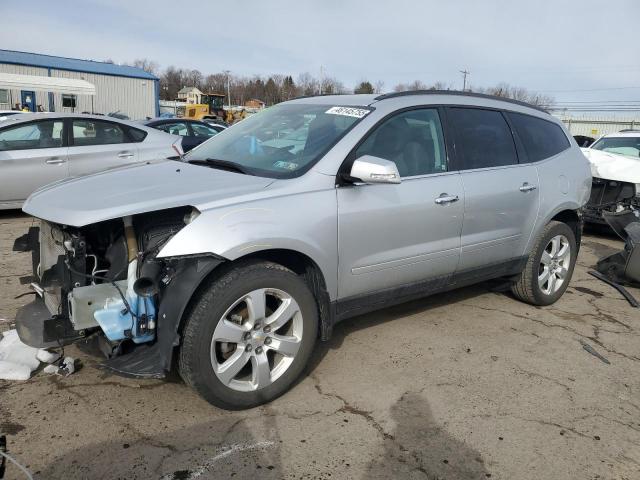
(446, 198)
(526, 187)
(125, 155)
(54, 161)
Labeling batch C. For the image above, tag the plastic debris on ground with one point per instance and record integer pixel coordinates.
(18, 360)
(66, 367)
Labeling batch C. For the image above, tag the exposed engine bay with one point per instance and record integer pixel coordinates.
(105, 280)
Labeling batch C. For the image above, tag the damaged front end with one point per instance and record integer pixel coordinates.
(610, 197)
(106, 281)
(623, 267)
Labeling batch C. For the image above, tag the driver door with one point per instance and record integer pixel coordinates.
(397, 239)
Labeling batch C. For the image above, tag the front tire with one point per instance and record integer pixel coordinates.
(550, 266)
(249, 335)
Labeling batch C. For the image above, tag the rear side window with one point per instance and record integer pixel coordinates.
(95, 132)
(137, 135)
(483, 138)
(47, 134)
(175, 128)
(200, 130)
(541, 139)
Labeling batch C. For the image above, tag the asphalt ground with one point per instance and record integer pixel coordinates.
(468, 384)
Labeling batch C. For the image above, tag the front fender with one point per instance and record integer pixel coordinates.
(153, 361)
(304, 222)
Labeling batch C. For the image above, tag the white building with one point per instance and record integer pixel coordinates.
(118, 88)
(189, 95)
(595, 124)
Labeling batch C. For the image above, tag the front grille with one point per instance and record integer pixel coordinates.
(51, 247)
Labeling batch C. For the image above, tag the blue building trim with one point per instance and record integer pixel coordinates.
(72, 64)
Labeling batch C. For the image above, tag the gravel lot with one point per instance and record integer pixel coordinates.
(466, 385)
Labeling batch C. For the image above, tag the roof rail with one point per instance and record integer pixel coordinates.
(458, 93)
(629, 130)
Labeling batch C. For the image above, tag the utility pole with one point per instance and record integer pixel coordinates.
(228, 87)
(464, 79)
(321, 78)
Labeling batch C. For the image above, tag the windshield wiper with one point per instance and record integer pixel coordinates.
(222, 165)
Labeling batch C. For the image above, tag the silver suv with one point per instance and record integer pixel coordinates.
(237, 259)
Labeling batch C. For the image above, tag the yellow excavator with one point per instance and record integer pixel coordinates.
(212, 108)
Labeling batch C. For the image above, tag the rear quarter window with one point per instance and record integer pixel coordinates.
(541, 139)
(137, 135)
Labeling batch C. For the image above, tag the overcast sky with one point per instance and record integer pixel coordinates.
(570, 49)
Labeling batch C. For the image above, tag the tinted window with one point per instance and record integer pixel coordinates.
(33, 135)
(541, 139)
(412, 139)
(95, 132)
(483, 138)
(137, 135)
(200, 130)
(174, 128)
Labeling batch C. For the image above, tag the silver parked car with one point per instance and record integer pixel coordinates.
(38, 149)
(238, 259)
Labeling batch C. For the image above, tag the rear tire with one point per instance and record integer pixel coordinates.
(249, 335)
(550, 266)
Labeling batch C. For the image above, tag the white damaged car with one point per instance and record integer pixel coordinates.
(615, 167)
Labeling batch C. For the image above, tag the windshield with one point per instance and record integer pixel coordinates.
(283, 141)
(629, 146)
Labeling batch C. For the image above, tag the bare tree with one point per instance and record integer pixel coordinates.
(332, 86)
(519, 93)
(406, 87)
(278, 87)
(307, 84)
(146, 65)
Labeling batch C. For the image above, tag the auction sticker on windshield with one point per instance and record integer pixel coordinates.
(348, 111)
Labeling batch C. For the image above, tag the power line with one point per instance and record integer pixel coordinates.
(624, 102)
(590, 89)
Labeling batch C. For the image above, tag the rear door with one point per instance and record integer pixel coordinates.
(501, 195)
(97, 145)
(408, 234)
(32, 155)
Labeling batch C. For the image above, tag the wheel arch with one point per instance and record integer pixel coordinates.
(568, 213)
(294, 260)
(573, 219)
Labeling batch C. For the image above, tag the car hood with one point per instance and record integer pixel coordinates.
(138, 189)
(610, 166)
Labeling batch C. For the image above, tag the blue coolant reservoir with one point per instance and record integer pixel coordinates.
(115, 320)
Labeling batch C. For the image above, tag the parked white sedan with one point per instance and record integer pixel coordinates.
(38, 149)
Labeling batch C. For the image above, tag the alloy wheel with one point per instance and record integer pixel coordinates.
(257, 339)
(554, 265)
